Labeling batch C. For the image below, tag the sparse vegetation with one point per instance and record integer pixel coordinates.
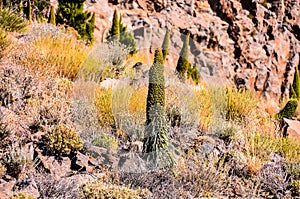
(84, 122)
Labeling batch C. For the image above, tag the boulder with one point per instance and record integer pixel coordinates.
(291, 128)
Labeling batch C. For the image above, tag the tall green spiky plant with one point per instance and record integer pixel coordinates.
(165, 45)
(71, 13)
(52, 18)
(118, 32)
(156, 141)
(183, 61)
(156, 88)
(114, 32)
(295, 87)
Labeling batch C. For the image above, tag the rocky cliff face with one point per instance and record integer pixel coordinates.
(248, 43)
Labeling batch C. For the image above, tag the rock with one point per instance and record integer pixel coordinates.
(80, 162)
(291, 128)
(6, 188)
(58, 168)
(132, 163)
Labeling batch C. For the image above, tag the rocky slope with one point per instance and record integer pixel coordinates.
(252, 44)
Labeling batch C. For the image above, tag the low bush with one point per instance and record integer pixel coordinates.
(98, 190)
(103, 106)
(61, 141)
(22, 195)
(106, 141)
(289, 110)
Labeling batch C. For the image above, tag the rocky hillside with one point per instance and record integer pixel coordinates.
(252, 44)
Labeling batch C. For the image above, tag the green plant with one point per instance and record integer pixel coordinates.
(118, 33)
(114, 31)
(264, 3)
(295, 87)
(250, 16)
(193, 73)
(11, 22)
(165, 45)
(61, 141)
(98, 190)
(72, 13)
(52, 18)
(156, 140)
(289, 110)
(157, 135)
(183, 61)
(41, 10)
(103, 140)
(22, 195)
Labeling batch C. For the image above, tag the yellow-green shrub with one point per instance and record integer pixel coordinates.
(22, 195)
(2, 170)
(241, 105)
(103, 106)
(58, 52)
(263, 146)
(137, 103)
(4, 43)
(62, 141)
(205, 107)
(98, 190)
(103, 140)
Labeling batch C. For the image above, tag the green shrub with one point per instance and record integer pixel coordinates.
(11, 22)
(183, 61)
(106, 141)
(41, 10)
(289, 110)
(295, 87)
(98, 190)
(193, 73)
(72, 13)
(61, 141)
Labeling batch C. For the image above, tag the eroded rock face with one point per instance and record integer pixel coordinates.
(248, 43)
